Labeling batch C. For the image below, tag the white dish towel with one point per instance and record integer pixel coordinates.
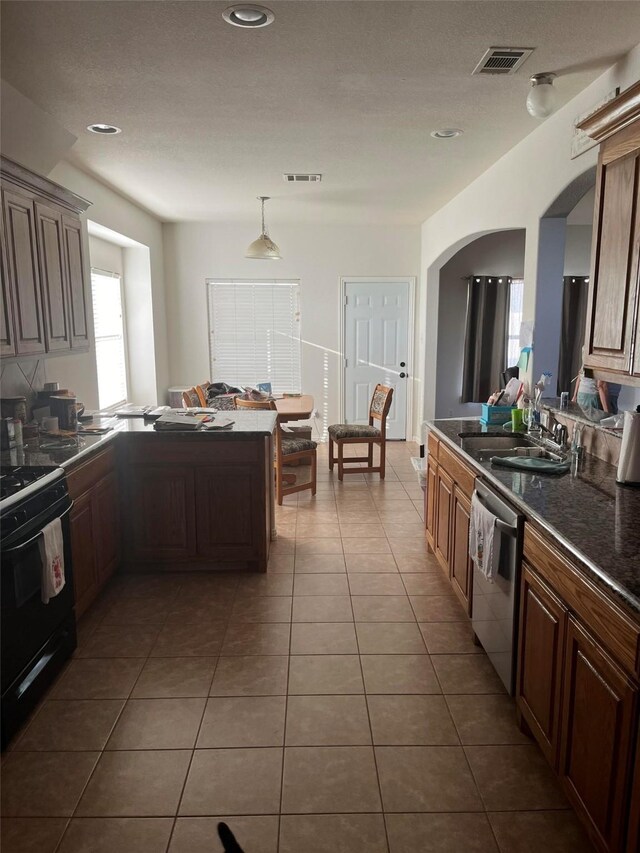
(51, 546)
(484, 545)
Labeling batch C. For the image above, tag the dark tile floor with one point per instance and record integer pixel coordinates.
(336, 703)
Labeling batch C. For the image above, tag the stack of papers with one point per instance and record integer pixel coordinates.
(218, 423)
(179, 422)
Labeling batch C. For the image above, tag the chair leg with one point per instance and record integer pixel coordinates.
(382, 459)
(340, 461)
(370, 455)
(331, 459)
(314, 462)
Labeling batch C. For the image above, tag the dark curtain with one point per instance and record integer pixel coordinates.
(574, 316)
(486, 335)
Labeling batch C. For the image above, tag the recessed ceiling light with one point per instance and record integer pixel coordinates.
(447, 133)
(104, 129)
(248, 15)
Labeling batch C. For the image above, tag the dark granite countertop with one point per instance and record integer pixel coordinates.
(574, 411)
(247, 425)
(594, 520)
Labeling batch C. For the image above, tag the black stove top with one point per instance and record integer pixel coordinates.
(15, 478)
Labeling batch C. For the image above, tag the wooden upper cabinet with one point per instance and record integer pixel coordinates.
(614, 280)
(44, 295)
(23, 278)
(74, 269)
(52, 277)
(599, 710)
(7, 339)
(612, 331)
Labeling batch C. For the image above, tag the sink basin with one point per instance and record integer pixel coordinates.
(483, 447)
(471, 443)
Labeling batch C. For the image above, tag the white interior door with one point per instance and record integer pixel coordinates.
(376, 349)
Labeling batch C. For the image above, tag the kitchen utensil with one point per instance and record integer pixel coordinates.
(49, 424)
(14, 407)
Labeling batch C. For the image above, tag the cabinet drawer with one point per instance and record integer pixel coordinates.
(432, 446)
(88, 471)
(617, 632)
(463, 476)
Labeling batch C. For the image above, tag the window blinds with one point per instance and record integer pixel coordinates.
(254, 333)
(109, 333)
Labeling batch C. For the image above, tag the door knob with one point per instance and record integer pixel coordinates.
(403, 364)
(402, 375)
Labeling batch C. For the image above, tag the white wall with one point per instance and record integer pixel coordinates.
(105, 256)
(493, 254)
(577, 250)
(514, 193)
(317, 255)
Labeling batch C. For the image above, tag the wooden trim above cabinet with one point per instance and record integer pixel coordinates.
(614, 115)
(41, 186)
(619, 634)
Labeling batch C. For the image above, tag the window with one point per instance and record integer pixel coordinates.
(514, 319)
(254, 333)
(106, 290)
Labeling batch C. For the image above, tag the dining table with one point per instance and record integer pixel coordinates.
(295, 408)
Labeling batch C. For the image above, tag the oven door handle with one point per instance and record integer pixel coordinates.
(37, 536)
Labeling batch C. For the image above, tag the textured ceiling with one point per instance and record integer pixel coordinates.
(212, 115)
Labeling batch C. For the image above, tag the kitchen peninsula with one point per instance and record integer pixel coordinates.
(149, 500)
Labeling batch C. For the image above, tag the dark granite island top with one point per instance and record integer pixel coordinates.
(247, 425)
(594, 520)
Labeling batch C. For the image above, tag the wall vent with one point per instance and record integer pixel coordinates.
(299, 178)
(502, 60)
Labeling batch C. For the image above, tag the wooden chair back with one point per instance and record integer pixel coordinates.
(190, 399)
(380, 405)
(201, 391)
(255, 404)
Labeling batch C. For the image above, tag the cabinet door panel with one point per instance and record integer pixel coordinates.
(431, 500)
(74, 262)
(227, 522)
(85, 575)
(613, 282)
(52, 278)
(107, 533)
(461, 566)
(599, 706)
(22, 272)
(443, 516)
(540, 660)
(162, 513)
(7, 340)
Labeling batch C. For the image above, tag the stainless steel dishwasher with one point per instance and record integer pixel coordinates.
(495, 603)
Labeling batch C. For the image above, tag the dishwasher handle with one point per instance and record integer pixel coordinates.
(508, 529)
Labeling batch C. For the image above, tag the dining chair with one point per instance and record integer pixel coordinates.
(341, 434)
(289, 448)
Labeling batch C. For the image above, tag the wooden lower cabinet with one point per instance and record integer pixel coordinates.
(430, 501)
(460, 562)
(95, 525)
(193, 499)
(83, 552)
(161, 513)
(540, 661)
(599, 714)
(444, 502)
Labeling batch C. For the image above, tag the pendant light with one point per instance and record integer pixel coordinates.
(263, 249)
(542, 98)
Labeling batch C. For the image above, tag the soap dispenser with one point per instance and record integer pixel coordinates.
(629, 462)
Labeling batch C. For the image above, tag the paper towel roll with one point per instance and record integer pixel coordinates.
(629, 463)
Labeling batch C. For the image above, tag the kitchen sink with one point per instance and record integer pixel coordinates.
(483, 447)
(494, 442)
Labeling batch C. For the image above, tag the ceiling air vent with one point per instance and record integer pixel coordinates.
(502, 60)
(296, 178)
